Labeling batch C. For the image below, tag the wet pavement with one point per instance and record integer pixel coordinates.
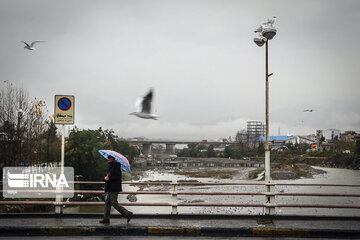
(186, 225)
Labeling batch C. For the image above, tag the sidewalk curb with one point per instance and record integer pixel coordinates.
(179, 216)
(176, 231)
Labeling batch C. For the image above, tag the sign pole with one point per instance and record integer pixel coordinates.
(64, 114)
(62, 148)
(59, 196)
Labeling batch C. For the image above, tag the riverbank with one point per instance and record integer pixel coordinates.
(285, 171)
(224, 168)
(281, 171)
(278, 172)
(325, 160)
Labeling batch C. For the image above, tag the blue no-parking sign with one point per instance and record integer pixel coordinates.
(64, 109)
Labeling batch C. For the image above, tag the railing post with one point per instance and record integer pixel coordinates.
(58, 206)
(270, 198)
(58, 200)
(174, 184)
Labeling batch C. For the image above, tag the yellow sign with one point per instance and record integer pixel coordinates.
(64, 109)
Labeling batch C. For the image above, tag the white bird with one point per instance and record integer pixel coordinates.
(270, 22)
(31, 45)
(144, 104)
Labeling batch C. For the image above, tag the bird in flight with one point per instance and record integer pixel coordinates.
(309, 110)
(31, 45)
(143, 105)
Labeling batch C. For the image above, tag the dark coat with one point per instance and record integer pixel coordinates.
(114, 182)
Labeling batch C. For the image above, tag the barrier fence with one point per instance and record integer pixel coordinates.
(269, 205)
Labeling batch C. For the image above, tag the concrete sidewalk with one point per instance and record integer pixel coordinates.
(180, 225)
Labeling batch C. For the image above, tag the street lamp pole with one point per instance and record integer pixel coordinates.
(267, 148)
(267, 32)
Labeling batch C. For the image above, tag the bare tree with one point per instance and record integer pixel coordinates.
(13, 102)
(248, 141)
(242, 139)
(22, 123)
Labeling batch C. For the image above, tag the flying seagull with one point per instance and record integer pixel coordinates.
(309, 110)
(30, 46)
(144, 104)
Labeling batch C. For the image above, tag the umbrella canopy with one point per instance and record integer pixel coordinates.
(125, 165)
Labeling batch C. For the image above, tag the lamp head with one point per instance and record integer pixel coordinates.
(268, 32)
(260, 41)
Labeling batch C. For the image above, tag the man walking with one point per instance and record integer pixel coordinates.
(112, 189)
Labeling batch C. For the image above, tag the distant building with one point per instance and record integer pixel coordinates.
(310, 139)
(319, 135)
(331, 134)
(278, 142)
(283, 139)
(349, 136)
(327, 146)
(255, 128)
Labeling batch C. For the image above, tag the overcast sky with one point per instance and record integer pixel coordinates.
(199, 56)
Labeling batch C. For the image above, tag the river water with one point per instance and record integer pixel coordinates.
(332, 176)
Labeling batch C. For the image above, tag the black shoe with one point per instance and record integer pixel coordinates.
(104, 221)
(129, 216)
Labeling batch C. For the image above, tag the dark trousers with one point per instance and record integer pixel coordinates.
(111, 200)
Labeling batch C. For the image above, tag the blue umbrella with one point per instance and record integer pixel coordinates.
(125, 165)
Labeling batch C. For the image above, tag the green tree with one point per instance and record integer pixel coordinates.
(82, 154)
(185, 152)
(357, 149)
(82, 151)
(8, 144)
(238, 152)
(51, 145)
(194, 150)
(113, 143)
(228, 152)
(210, 151)
(125, 149)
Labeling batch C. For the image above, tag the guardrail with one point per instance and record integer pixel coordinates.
(269, 205)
